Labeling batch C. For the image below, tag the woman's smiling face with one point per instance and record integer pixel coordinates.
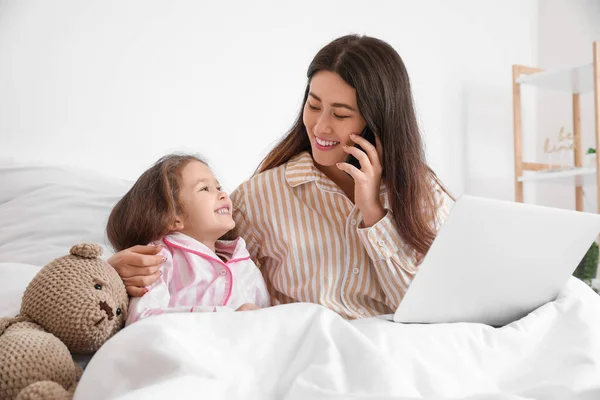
(330, 116)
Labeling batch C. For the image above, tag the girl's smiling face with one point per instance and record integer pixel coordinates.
(206, 208)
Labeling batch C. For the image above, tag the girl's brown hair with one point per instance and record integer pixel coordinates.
(149, 208)
(384, 98)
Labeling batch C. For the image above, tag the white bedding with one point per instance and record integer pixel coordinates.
(298, 351)
(303, 351)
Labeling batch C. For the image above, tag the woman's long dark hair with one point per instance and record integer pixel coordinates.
(384, 99)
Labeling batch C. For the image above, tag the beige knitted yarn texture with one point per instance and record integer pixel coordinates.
(73, 305)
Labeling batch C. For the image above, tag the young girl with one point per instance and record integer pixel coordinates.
(178, 204)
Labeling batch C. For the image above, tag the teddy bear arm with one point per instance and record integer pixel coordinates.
(44, 390)
(43, 367)
(50, 390)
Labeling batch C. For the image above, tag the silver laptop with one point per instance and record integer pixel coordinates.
(495, 261)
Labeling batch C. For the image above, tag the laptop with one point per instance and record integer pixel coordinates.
(494, 261)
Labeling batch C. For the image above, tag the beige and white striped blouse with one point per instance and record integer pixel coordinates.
(303, 231)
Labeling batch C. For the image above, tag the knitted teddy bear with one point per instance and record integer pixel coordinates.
(73, 305)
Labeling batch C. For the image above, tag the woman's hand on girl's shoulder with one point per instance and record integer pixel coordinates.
(138, 267)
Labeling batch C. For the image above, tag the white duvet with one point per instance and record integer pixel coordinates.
(298, 351)
(304, 351)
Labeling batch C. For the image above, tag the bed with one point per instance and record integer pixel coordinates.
(295, 351)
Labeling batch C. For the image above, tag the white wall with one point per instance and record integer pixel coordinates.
(113, 85)
(566, 32)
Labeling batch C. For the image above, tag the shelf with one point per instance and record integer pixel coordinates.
(553, 174)
(576, 79)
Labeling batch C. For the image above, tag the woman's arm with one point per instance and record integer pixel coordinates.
(395, 263)
(138, 267)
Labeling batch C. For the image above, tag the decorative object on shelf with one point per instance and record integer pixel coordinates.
(562, 143)
(588, 266)
(590, 157)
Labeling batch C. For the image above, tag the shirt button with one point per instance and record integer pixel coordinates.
(355, 271)
(223, 272)
(353, 221)
(381, 243)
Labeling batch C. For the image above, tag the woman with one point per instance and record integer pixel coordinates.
(322, 230)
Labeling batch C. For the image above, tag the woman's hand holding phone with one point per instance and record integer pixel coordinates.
(370, 137)
(367, 179)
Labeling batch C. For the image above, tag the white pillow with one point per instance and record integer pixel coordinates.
(44, 210)
(14, 280)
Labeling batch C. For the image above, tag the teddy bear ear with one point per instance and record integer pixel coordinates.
(86, 250)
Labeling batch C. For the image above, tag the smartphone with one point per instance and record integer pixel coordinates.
(370, 136)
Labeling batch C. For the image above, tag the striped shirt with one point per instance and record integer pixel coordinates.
(196, 279)
(306, 236)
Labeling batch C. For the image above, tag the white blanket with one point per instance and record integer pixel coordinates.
(304, 351)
